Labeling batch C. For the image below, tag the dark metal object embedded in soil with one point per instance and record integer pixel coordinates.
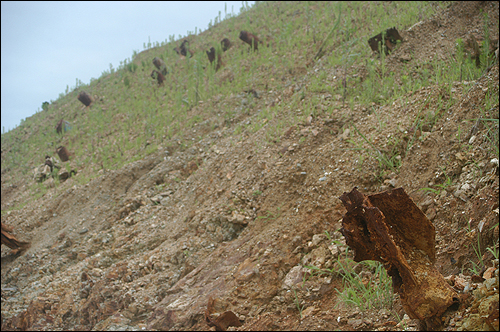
(85, 98)
(388, 227)
(11, 241)
(250, 39)
(211, 57)
(225, 44)
(387, 40)
(63, 153)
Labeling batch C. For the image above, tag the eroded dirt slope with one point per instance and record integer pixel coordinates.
(146, 246)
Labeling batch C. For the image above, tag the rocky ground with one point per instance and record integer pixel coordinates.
(146, 246)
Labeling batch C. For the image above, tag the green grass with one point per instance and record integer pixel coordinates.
(373, 293)
(441, 186)
(479, 250)
(387, 160)
(376, 294)
(270, 215)
(296, 301)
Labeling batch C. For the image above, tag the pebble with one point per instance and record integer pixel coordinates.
(460, 283)
(294, 276)
(491, 283)
(317, 239)
(489, 273)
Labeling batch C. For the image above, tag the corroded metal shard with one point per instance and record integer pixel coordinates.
(63, 153)
(85, 98)
(385, 41)
(250, 39)
(223, 321)
(388, 227)
(11, 241)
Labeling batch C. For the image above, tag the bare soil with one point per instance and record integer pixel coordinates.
(146, 246)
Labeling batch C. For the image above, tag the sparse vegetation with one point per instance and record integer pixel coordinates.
(474, 235)
(270, 215)
(296, 301)
(145, 112)
(309, 115)
(372, 292)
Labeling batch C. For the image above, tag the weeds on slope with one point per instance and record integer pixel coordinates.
(366, 291)
(133, 117)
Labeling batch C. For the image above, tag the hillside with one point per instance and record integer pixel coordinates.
(225, 184)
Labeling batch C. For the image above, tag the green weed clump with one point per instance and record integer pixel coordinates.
(479, 248)
(372, 292)
(375, 293)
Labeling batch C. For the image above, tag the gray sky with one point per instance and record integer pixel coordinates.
(46, 46)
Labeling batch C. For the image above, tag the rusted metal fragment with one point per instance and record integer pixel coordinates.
(63, 153)
(250, 39)
(212, 54)
(225, 44)
(11, 241)
(183, 49)
(160, 65)
(388, 227)
(155, 74)
(387, 40)
(223, 321)
(85, 98)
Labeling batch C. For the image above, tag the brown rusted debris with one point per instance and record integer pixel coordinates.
(158, 76)
(183, 49)
(226, 44)
(63, 153)
(250, 39)
(211, 57)
(387, 40)
(11, 241)
(388, 227)
(85, 98)
(160, 65)
(223, 321)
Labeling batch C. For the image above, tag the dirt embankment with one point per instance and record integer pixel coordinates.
(146, 246)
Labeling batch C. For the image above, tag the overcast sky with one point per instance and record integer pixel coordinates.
(46, 46)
